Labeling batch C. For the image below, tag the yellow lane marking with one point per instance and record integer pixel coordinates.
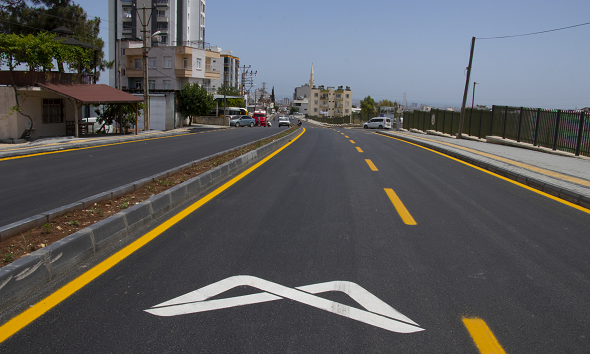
(352, 141)
(359, 149)
(34, 312)
(371, 165)
(519, 164)
(346, 137)
(92, 147)
(482, 336)
(399, 206)
(562, 201)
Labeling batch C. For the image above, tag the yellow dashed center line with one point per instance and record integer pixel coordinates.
(346, 137)
(352, 141)
(399, 206)
(371, 165)
(482, 336)
(359, 149)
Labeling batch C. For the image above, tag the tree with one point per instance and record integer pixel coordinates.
(368, 107)
(230, 91)
(294, 110)
(21, 18)
(124, 114)
(193, 101)
(387, 103)
(272, 95)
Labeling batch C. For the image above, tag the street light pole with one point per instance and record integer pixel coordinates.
(146, 95)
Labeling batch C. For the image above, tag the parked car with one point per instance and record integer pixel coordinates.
(284, 121)
(260, 118)
(242, 121)
(378, 122)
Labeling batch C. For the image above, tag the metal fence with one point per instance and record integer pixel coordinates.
(564, 130)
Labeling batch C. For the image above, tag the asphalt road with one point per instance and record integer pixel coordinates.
(32, 185)
(316, 213)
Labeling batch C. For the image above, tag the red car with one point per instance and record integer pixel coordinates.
(260, 119)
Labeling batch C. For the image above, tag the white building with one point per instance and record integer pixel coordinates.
(180, 23)
(228, 66)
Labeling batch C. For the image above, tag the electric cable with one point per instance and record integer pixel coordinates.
(530, 34)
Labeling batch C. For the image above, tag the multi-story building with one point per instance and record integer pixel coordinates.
(228, 66)
(179, 23)
(330, 102)
(169, 68)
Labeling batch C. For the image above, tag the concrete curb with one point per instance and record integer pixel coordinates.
(31, 272)
(552, 189)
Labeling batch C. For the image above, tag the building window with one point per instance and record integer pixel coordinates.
(138, 63)
(185, 63)
(315, 109)
(162, 25)
(53, 110)
(161, 13)
(138, 84)
(167, 62)
(167, 85)
(198, 63)
(315, 102)
(152, 84)
(127, 26)
(152, 63)
(347, 95)
(315, 94)
(127, 12)
(164, 39)
(346, 111)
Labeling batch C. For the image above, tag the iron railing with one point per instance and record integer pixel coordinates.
(564, 130)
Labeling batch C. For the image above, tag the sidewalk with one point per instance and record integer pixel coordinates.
(553, 172)
(70, 142)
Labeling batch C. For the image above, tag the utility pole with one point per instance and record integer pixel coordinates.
(146, 95)
(462, 119)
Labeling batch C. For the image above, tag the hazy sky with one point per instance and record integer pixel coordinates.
(385, 48)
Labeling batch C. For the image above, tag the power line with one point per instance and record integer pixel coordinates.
(530, 34)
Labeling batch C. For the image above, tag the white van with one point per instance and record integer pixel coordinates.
(378, 122)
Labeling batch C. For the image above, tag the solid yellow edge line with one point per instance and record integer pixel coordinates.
(359, 149)
(557, 199)
(482, 336)
(91, 147)
(400, 207)
(371, 165)
(34, 312)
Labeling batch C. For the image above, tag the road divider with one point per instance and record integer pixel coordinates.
(371, 165)
(26, 275)
(399, 206)
(482, 336)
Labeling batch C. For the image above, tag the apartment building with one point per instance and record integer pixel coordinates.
(330, 102)
(228, 67)
(179, 23)
(169, 68)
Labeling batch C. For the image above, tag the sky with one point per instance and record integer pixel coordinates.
(421, 47)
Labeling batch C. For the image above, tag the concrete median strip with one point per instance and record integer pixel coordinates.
(25, 275)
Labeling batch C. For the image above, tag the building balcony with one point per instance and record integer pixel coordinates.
(181, 50)
(134, 72)
(133, 51)
(338, 98)
(183, 72)
(162, 3)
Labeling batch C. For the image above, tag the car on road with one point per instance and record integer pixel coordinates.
(260, 117)
(284, 121)
(378, 122)
(242, 121)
